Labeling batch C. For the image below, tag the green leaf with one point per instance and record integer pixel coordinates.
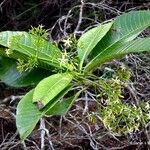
(138, 45)
(32, 46)
(27, 116)
(6, 52)
(56, 99)
(2, 51)
(62, 106)
(6, 37)
(50, 87)
(10, 75)
(125, 28)
(90, 39)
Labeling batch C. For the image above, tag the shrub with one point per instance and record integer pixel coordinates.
(28, 58)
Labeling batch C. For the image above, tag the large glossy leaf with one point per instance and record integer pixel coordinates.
(6, 52)
(139, 45)
(90, 39)
(62, 106)
(10, 75)
(27, 116)
(5, 42)
(50, 87)
(32, 46)
(125, 28)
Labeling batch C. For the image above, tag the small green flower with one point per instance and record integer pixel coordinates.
(9, 52)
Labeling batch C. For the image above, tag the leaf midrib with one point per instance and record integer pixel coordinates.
(39, 57)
